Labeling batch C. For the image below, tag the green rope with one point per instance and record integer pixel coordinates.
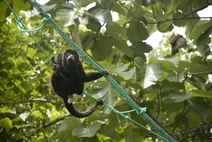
(20, 24)
(18, 21)
(72, 44)
(138, 110)
(125, 116)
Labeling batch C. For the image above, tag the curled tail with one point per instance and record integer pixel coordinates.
(82, 114)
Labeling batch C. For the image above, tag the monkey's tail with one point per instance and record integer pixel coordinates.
(82, 114)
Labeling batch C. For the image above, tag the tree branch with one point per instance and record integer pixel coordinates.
(194, 129)
(184, 17)
(45, 125)
(199, 73)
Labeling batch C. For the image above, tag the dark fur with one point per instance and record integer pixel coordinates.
(68, 78)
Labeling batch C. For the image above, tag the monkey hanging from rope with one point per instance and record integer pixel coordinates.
(68, 77)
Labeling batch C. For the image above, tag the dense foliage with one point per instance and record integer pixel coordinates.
(172, 80)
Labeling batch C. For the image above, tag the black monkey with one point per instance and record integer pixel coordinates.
(68, 78)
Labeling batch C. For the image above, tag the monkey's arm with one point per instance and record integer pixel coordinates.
(86, 77)
(91, 76)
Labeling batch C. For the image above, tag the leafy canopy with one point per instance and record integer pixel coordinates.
(172, 80)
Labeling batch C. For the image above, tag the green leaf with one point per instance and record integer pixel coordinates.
(110, 132)
(200, 3)
(140, 48)
(65, 129)
(124, 72)
(115, 28)
(169, 63)
(139, 62)
(179, 23)
(203, 40)
(183, 65)
(37, 114)
(112, 6)
(23, 66)
(176, 98)
(102, 48)
(140, 69)
(199, 28)
(21, 5)
(8, 65)
(31, 52)
(107, 92)
(5, 12)
(201, 93)
(137, 32)
(102, 15)
(190, 25)
(132, 134)
(118, 8)
(196, 67)
(165, 2)
(86, 2)
(24, 115)
(26, 85)
(93, 25)
(77, 3)
(200, 107)
(175, 77)
(164, 27)
(153, 73)
(122, 46)
(87, 132)
(6, 123)
(6, 109)
(67, 16)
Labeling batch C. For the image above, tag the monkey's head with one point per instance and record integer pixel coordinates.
(70, 60)
(57, 60)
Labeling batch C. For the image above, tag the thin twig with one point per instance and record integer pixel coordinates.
(199, 73)
(52, 122)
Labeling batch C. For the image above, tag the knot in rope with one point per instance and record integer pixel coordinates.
(140, 110)
(113, 109)
(48, 17)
